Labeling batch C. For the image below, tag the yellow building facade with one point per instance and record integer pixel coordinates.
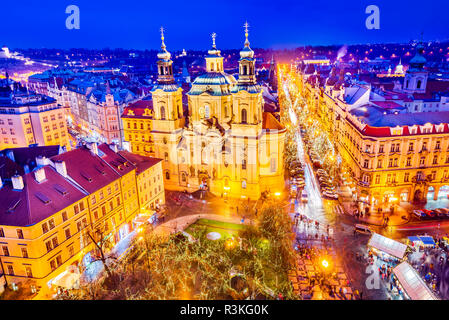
(227, 145)
(46, 214)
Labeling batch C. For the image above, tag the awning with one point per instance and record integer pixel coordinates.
(413, 285)
(67, 280)
(387, 245)
(427, 240)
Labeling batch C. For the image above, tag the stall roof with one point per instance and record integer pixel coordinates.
(387, 245)
(414, 238)
(427, 240)
(413, 284)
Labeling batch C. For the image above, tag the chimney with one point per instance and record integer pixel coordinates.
(93, 148)
(17, 182)
(61, 168)
(113, 147)
(39, 175)
(41, 161)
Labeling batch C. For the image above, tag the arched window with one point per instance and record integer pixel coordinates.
(207, 111)
(243, 184)
(166, 156)
(226, 111)
(418, 86)
(244, 116)
(212, 66)
(162, 113)
(245, 70)
(183, 177)
(161, 70)
(167, 175)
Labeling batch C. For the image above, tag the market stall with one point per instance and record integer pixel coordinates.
(412, 284)
(421, 241)
(387, 248)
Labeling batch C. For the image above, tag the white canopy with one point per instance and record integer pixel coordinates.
(413, 284)
(387, 245)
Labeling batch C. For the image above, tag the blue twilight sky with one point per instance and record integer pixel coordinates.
(188, 23)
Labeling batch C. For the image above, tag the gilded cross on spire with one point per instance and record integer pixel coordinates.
(162, 37)
(213, 35)
(246, 26)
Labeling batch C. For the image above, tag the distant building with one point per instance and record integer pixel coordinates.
(28, 118)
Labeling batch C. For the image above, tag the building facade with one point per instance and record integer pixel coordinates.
(27, 119)
(47, 214)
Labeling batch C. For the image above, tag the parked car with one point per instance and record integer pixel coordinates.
(419, 214)
(442, 212)
(304, 196)
(429, 213)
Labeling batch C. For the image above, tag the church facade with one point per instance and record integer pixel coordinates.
(227, 144)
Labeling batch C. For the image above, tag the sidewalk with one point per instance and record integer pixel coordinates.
(376, 218)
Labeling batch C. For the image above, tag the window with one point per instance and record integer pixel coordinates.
(48, 246)
(44, 228)
(366, 164)
(377, 181)
(103, 210)
(53, 265)
(435, 160)
(111, 205)
(55, 242)
(379, 163)
(19, 233)
(243, 184)
(162, 113)
(389, 178)
(424, 146)
(67, 233)
(437, 145)
(2, 233)
(166, 156)
(118, 201)
(5, 251)
(24, 252)
(71, 251)
(28, 272)
(418, 86)
(390, 162)
(10, 270)
(244, 116)
(167, 175)
(409, 162)
(422, 161)
(64, 216)
(93, 200)
(406, 177)
(96, 214)
(76, 209)
(51, 223)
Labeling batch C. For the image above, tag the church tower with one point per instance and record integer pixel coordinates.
(168, 119)
(416, 77)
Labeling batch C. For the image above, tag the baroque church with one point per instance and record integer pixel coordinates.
(227, 144)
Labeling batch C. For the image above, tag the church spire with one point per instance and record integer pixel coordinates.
(164, 64)
(246, 52)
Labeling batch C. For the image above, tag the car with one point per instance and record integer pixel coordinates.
(304, 196)
(419, 214)
(429, 213)
(442, 212)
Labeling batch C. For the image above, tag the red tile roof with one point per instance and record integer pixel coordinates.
(88, 170)
(121, 165)
(138, 109)
(141, 162)
(25, 208)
